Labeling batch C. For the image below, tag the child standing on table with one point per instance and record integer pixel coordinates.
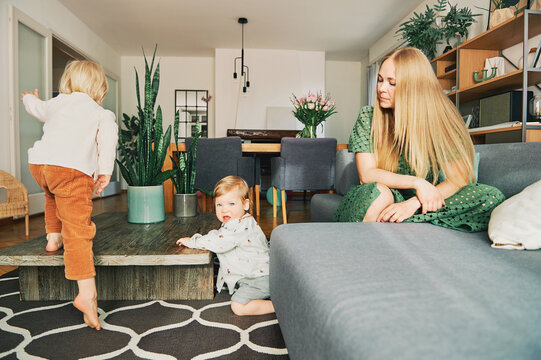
(78, 144)
(241, 247)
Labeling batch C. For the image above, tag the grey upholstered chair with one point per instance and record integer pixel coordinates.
(304, 164)
(218, 158)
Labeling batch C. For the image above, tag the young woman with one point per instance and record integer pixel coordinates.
(414, 154)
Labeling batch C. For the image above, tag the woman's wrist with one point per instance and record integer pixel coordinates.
(414, 201)
(417, 182)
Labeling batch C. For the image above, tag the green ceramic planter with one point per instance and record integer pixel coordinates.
(145, 204)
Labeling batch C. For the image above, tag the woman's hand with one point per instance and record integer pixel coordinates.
(35, 93)
(398, 212)
(183, 241)
(429, 196)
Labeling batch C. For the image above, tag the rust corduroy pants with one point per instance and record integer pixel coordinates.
(68, 207)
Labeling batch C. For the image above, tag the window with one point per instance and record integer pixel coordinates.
(192, 107)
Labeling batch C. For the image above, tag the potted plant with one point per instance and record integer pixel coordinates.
(456, 23)
(420, 32)
(185, 198)
(312, 111)
(141, 162)
(424, 32)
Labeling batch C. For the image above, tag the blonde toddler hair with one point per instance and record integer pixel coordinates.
(84, 76)
(230, 183)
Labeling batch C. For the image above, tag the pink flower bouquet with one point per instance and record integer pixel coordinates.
(312, 111)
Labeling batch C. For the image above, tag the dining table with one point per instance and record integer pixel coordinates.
(247, 147)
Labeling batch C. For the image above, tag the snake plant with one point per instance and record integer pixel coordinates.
(184, 166)
(143, 167)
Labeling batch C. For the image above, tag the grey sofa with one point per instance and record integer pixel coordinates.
(408, 291)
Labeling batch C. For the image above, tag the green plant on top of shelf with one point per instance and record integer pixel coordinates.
(457, 21)
(420, 32)
(423, 32)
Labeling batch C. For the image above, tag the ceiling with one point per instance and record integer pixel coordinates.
(344, 29)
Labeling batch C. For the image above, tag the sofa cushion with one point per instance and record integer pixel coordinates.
(402, 291)
(515, 223)
(509, 167)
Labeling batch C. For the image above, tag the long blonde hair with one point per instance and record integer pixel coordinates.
(84, 76)
(425, 125)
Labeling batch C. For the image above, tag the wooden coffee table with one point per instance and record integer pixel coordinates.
(133, 262)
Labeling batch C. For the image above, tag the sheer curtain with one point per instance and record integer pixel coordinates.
(372, 80)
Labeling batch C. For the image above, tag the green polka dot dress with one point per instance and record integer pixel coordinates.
(467, 210)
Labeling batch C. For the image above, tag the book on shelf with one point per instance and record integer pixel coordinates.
(503, 125)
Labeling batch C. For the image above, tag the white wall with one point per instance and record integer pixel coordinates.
(390, 41)
(190, 73)
(343, 83)
(65, 25)
(274, 76)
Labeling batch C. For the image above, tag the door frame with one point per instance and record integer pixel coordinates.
(15, 16)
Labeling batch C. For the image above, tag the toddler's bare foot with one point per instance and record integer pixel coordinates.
(54, 241)
(89, 307)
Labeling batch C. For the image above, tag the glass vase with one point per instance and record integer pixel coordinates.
(311, 131)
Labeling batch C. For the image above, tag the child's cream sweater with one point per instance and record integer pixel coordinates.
(78, 133)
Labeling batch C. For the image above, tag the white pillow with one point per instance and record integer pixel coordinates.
(516, 223)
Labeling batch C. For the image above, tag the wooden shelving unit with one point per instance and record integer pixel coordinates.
(470, 57)
(447, 78)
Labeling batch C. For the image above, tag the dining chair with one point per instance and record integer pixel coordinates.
(17, 199)
(218, 158)
(304, 164)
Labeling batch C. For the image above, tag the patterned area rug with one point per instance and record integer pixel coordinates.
(133, 330)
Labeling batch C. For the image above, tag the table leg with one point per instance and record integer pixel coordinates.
(257, 198)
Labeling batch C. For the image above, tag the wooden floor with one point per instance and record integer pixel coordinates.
(12, 232)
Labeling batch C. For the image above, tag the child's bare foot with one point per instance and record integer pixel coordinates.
(89, 307)
(54, 241)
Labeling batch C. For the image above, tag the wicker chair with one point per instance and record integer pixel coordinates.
(17, 198)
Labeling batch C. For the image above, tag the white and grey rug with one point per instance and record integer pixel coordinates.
(133, 330)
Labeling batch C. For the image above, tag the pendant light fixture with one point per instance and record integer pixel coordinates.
(244, 70)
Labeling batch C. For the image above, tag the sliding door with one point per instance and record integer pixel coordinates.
(30, 68)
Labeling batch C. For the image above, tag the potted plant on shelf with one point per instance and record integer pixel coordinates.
(185, 198)
(421, 32)
(456, 23)
(141, 163)
(425, 32)
(311, 111)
